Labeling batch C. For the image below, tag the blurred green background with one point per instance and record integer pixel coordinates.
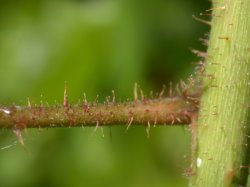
(96, 46)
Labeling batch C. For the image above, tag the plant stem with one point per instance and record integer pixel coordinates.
(222, 152)
(175, 110)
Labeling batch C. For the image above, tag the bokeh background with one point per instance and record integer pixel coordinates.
(96, 46)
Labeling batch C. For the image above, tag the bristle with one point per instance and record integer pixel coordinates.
(162, 91)
(102, 131)
(201, 54)
(65, 97)
(96, 99)
(85, 102)
(18, 133)
(201, 20)
(29, 104)
(107, 100)
(204, 41)
(113, 99)
(142, 95)
(129, 123)
(155, 121)
(135, 92)
(148, 130)
(216, 8)
(97, 125)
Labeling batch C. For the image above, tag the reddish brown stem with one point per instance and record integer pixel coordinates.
(167, 111)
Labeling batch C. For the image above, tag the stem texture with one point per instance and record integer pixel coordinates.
(175, 110)
(222, 156)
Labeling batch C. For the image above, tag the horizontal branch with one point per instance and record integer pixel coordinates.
(162, 111)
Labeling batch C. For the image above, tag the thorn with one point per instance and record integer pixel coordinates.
(9, 146)
(183, 86)
(217, 8)
(65, 97)
(29, 104)
(18, 133)
(204, 41)
(202, 14)
(113, 99)
(85, 99)
(107, 100)
(148, 130)
(5, 111)
(142, 95)
(135, 92)
(162, 91)
(215, 15)
(96, 127)
(155, 121)
(96, 99)
(201, 20)
(199, 53)
(41, 101)
(173, 120)
(129, 123)
(178, 119)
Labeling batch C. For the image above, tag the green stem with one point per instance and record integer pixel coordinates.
(222, 149)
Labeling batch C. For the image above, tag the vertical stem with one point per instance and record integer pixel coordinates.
(223, 124)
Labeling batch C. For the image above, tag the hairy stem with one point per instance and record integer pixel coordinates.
(175, 110)
(223, 125)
